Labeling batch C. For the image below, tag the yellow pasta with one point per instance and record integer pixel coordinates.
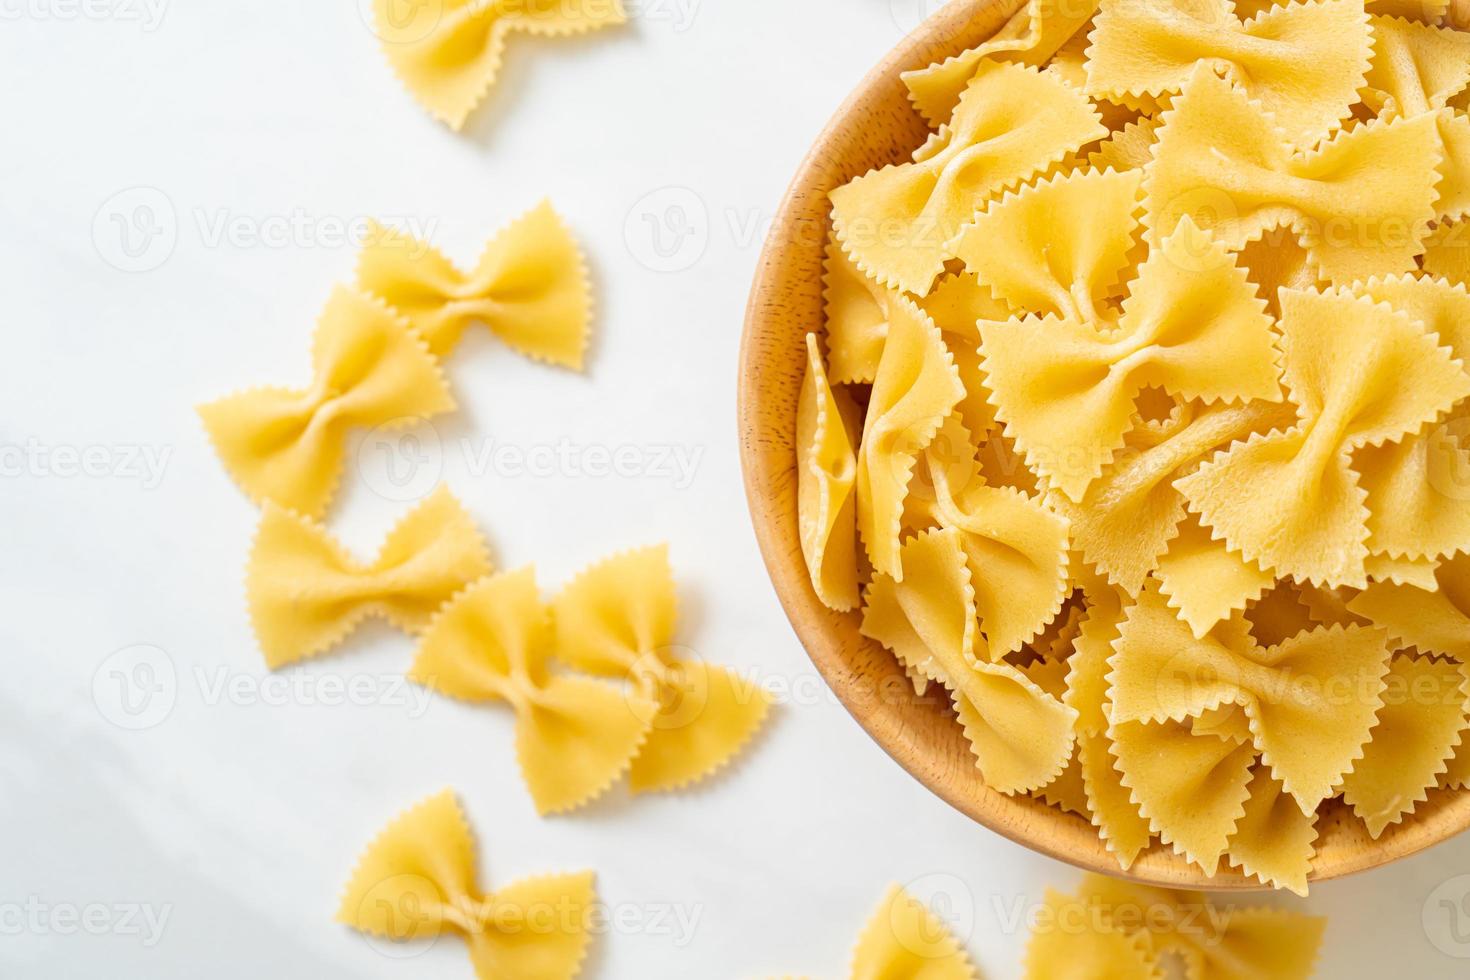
(447, 54)
(617, 620)
(898, 223)
(575, 735)
(372, 369)
(1362, 202)
(916, 388)
(1301, 62)
(857, 310)
(1307, 734)
(417, 882)
(1169, 423)
(1192, 325)
(1420, 727)
(530, 287)
(1058, 247)
(1416, 67)
(825, 502)
(1022, 737)
(1036, 32)
(306, 593)
(1303, 515)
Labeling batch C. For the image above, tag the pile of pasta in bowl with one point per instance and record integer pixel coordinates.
(1140, 420)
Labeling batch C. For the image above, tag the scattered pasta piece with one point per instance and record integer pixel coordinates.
(306, 593)
(447, 54)
(1433, 620)
(372, 369)
(531, 288)
(575, 736)
(1074, 942)
(1302, 62)
(416, 882)
(904, 938)
(617, 620)
(899, 223)
(825, 502)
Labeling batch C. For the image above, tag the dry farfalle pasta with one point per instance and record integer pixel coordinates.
(447, 53)
(1107, 930)
(417, 882)
(1141, 418)
(635, 703)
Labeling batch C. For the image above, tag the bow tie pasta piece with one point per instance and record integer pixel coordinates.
(1421, 725)
(1205, 581)
(1302, 62)
(306, 593)
(531, 287)
(1410, 514)
(1276, 261)
(1416, 67)
(1190, 786)
(957, 304)
(372, 369)
(1447, 252)
(1361, 374)
(1017, 553)
(1022, 736)
(916, 389)
(1362, 202)
(616, 620)
(898, 223)
(827, 469)
(416, 881)
(1058, 247)
(905, 939)
(1402, 571)
(574, 736)
(448, 53)
(1311, 701)
(1125, 521)
(1217, 942)
(857, 312)
(1073, 942)
(1129, 148)
(1274, 842)
(1193, 326)
(1031, 37)
(1434, 620)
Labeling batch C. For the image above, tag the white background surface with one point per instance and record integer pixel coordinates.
(239, 820)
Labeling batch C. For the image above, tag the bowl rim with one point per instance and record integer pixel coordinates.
(798, 235)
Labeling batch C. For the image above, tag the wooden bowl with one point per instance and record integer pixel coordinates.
(877, 126)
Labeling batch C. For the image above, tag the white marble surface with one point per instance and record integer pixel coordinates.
(260, 134)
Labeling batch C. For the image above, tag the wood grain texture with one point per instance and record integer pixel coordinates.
(876, 127)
